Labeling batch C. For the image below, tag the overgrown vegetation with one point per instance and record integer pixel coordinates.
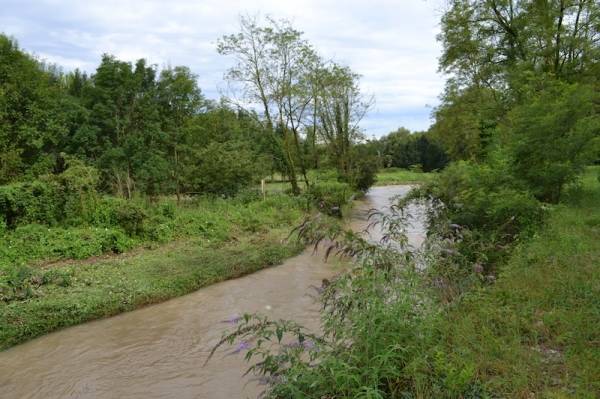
(501, 300)
(133, 158)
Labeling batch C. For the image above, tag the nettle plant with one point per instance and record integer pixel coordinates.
(372, 342)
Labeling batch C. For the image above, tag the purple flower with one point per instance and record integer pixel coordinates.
(308, 344)
(233, 319)
(244, 345)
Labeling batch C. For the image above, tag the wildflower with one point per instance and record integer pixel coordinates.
(244, 345)
(232, 320)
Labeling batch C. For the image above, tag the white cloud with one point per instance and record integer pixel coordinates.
(390, 43)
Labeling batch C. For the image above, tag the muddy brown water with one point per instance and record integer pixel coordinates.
(158, 351)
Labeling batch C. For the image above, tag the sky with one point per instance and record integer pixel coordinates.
(391, 43)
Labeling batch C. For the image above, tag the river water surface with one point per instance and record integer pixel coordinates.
(159, 351)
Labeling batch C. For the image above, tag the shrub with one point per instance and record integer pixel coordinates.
(330, 197)
(78, 185)
(485, 197)
(551, 137)
(222, 169)
(482, 209)
(131, 216)
(248, 195)
(30, 202)
(68, 196)
(363, 171)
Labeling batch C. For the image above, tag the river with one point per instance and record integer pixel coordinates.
(158, 351)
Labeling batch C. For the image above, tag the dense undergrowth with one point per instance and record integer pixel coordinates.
(522, 325)
(534, 333)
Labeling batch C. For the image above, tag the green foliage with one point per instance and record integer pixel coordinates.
(66, 197)
(37, 116)
(19, 283)
(483, 210)
(551, 135)
(534, 330)
(466, 121)
(227, 238)
(403, 149)
(363, 170)
(330, 197)
(392, 176)
(485, 197)
(30, 202)
(130, 216)
(223, 169)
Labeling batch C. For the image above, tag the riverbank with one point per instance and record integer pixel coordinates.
(231, 239)
(160, 350)
(66, 279)
(535, 332)
(528, 330)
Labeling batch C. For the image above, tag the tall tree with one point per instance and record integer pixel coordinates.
(180, 100)
(272, 70)
(341, 108)
(487, 42)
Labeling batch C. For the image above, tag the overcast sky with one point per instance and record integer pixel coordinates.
(391, 43)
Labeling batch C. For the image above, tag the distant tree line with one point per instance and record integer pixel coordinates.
(409, 150)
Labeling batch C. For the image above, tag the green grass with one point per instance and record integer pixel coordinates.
(213, 219)
(207, 242)
(535, 333)
(112, 286)
(391, 176)
(385, 177)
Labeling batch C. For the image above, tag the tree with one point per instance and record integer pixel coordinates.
(403, 149)
(487, 43)
(466, 120)
(552, 136)
(273, 69)
(180, 100)
(341, 108)
(37, 116)
(126, 117)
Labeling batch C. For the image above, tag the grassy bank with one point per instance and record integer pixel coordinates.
(205, 242)
(392, 176)
(112, 286)
(385, 177)
(535, 332)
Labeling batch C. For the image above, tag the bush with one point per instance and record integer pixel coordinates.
(130, 216)
(68, 196)
(363, 172)
(485, 197)
(222, 169)
(482, 209)
(30, 202)
(551, 137)
(330, 197)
